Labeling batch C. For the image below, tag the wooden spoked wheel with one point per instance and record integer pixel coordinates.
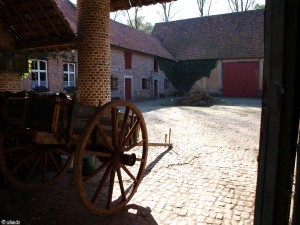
(32, 167)
(116, 139)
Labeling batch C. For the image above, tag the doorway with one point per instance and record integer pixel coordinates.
(128, 89)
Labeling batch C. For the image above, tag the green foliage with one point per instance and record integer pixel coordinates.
(24, 75)
(183, 74)
(139, 24)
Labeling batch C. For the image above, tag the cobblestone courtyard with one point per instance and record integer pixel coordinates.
(209, 177)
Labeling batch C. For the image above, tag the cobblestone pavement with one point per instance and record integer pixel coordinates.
(209, 177)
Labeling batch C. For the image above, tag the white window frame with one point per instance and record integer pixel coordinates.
(69, 73)
(39, 71)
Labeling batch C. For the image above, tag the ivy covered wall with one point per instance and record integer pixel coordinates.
(183, 74)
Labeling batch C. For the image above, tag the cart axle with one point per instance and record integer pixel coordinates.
(128, 160)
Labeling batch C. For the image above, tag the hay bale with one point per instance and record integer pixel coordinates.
(196, 98)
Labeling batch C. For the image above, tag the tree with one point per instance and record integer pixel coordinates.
(168, 11)
(132, 20)
(114, 15)
(259, 6)
(137, 22)
(201, 4)
(241, 5)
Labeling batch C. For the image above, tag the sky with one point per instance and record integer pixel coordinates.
(183, 9)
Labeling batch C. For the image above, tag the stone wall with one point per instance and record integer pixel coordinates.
(142, 67)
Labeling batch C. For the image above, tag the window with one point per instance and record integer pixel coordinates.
(145, 83)
(167, 84)
(155, 65)
(13, 62)
(114, 83)
(39, 73)
(69, 75)
(128, 59)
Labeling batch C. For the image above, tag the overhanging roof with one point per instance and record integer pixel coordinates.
(127, 4)
(40, 26)
(37, 24)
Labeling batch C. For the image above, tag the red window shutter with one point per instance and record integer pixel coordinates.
(128, 59)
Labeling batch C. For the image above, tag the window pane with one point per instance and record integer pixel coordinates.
(65, 77)
(43, 83)
(65, 67)
(34, 84)
(42, 65)
(43, 76)
(34, 76)
(72, 77)
(72, 83)
(71, 67)
(34, 65)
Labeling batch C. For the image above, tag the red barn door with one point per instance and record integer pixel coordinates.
(240, 79)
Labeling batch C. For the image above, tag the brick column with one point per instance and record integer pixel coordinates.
(94, 52)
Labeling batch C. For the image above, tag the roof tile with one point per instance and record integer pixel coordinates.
(234, 35)
(120, 35)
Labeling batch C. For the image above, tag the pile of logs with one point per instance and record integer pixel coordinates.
(196, 98)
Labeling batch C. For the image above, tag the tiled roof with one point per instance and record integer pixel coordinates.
(69, 11)
(130, 38)
(234, 35)
(120, 34)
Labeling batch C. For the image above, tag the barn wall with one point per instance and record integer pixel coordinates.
(214, 83)
(8, 81)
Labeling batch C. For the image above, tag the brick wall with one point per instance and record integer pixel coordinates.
(142, 67)
(54, 73)
(8, 81)
(94, 51)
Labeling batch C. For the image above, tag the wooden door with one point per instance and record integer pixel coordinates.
(240, 79)
(155, 88)
(128, 89)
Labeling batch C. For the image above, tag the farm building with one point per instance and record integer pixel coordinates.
(135, 73)
(235, 40)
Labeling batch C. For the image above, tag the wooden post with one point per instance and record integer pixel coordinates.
(280, 120)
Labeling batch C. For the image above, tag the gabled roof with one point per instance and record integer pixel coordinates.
(121, 35)
(69, 11)
(234, 35)
(132, 39)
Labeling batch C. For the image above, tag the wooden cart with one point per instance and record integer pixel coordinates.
(41, 135)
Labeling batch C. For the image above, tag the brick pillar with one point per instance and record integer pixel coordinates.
(94, 52)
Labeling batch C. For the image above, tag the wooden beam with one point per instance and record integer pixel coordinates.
(61, 16)
(46, 15)
(35, 19)
(49, 44)
(10, 21)
(22, 18)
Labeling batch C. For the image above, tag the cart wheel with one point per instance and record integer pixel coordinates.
(116, 139)
(32, 167)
